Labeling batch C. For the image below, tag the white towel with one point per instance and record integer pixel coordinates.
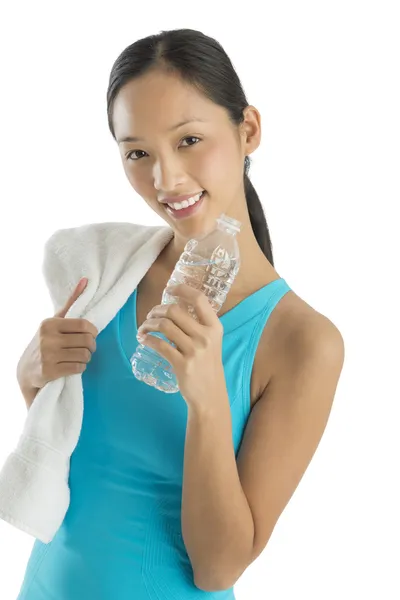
(34, 491)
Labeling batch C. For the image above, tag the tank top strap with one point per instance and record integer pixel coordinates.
(262, 301)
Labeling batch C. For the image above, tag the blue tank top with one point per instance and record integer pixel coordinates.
(121, 537)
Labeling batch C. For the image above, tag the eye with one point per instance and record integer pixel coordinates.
(192, 137)
(130, 154)
(133, 154)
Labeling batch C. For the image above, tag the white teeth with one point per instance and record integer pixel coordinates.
(186, 203)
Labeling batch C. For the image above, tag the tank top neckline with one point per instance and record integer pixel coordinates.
(233, 319)
(229, 319)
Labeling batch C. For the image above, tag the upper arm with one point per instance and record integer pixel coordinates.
(287, 423)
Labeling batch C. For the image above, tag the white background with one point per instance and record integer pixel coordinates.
(325, 77)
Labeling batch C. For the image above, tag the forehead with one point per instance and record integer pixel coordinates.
(157, 100)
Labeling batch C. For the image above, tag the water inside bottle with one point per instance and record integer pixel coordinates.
(213, 274)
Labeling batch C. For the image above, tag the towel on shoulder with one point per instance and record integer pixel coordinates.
(34, 491)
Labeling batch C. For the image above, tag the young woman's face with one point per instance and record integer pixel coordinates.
(185, 144)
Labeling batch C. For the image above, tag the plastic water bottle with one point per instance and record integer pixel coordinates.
(209, 263)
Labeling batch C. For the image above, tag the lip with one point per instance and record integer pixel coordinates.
(186, 212)
(173, 199)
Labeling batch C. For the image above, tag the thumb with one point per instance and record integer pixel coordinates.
(75, 294)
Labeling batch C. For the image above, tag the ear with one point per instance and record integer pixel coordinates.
(250, 130)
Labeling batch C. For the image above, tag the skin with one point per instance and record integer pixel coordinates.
(169, 164)
(230, 506)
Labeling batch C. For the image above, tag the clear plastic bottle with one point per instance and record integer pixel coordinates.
(209, 263)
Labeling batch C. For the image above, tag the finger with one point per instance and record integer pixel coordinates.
(198, 300)
(77, 326)
(180, 317)
(170, 330)
(78, 340)
(171, 354)
(73, 297)
(74, 355)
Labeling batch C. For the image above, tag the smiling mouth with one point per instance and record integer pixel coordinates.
(185, 203)
(186, 209)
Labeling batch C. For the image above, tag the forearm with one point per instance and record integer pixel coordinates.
(217, 524)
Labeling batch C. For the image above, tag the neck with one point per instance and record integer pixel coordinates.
(255, 269)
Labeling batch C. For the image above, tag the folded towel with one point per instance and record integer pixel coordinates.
(34, 491)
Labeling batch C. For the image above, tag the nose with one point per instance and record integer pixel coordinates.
(168, 174)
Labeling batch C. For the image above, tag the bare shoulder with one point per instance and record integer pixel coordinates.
(301, 333)
(296, 331)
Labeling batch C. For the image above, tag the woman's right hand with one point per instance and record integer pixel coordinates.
(60, 347)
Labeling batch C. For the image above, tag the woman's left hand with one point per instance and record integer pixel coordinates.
(197, 358)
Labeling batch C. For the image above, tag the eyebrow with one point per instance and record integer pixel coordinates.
(137, 139)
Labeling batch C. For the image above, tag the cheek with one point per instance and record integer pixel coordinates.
(140, 180)
(137, 177)
(217, 166)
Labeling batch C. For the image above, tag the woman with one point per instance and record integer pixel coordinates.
(174, 496)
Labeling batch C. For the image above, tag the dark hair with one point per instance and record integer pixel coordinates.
(201, 61)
